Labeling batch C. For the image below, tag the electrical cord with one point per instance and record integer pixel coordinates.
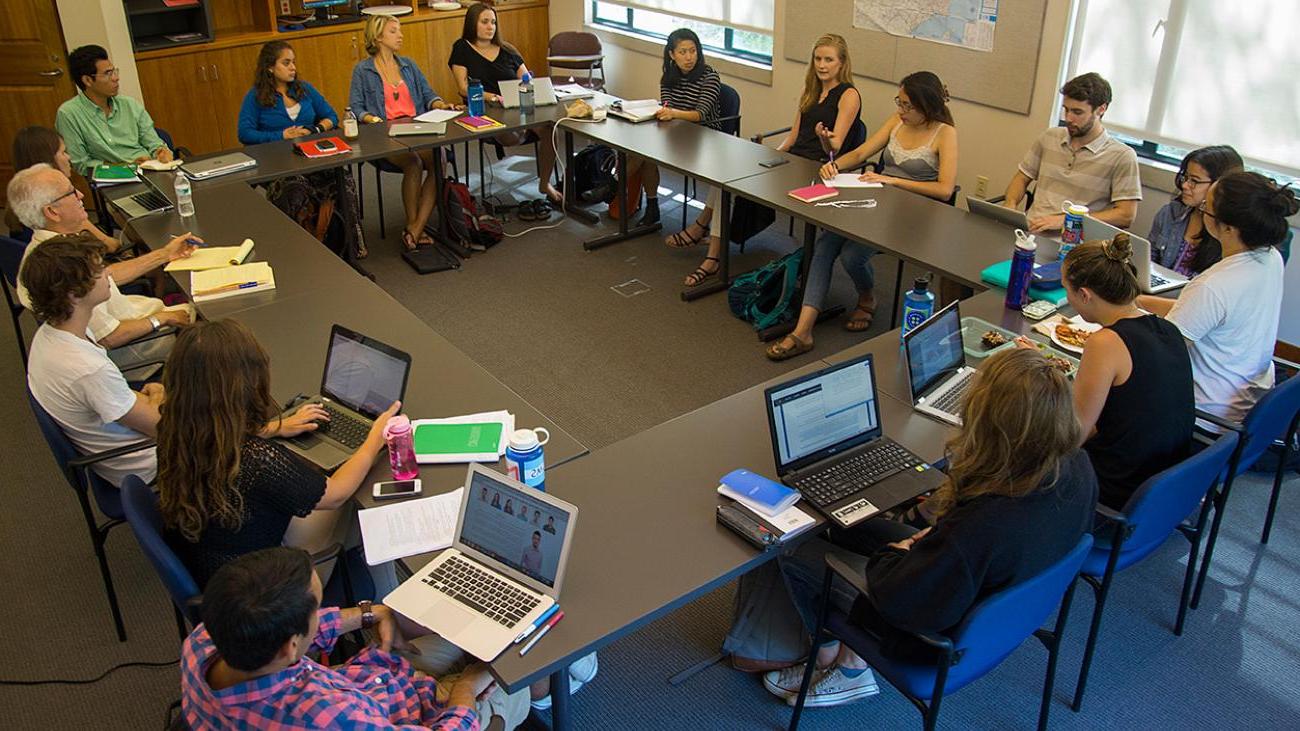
(559, 166)
(89, 681)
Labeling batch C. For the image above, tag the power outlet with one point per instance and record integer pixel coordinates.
(285, 9)
(982, 187)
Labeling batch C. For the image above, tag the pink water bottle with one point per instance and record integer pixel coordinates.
(401, 448)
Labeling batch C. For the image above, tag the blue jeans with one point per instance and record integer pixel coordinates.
(853, 256)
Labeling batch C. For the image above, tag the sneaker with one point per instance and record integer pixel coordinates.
(833, 688)
(581, 672)
(784, 683)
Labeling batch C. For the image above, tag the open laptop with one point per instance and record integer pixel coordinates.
(543, 93)
(937, 374)
(1152, 277)
(417, 128)
(1010, 216)
(829, 445)
(143, 203)
(500, 574)
(362, 378)
(212, 167)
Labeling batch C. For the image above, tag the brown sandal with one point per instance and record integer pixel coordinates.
(683, 240)
(778, 352)
(860, 318)
(701, 275)
(409, 241)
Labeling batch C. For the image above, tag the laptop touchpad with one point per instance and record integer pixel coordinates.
(453, 618)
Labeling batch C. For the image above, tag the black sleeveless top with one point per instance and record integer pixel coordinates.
(807, 144)
(1146, 424)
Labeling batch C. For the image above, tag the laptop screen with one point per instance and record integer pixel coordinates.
(363, 373)
(934, 350)
(509, 525)
(818, 415)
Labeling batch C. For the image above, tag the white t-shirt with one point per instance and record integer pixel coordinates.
(1230, 315)
(73, 379)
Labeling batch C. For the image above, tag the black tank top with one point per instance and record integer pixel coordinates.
(1146, 424)
(806, 144)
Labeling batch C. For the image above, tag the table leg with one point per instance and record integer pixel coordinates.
(625, 232)
(723, 280)
(560, 720)
(570, 185)
(809, 244)
(442, 232)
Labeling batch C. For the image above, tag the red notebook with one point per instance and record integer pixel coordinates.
(312, 148)
(813, 193)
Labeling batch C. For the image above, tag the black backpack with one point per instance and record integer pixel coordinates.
(593, 174)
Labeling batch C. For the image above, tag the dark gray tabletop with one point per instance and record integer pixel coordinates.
(278, 159)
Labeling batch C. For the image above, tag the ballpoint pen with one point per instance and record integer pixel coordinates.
(545, 628)
(536, 623)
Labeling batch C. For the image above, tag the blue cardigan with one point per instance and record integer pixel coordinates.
(367, 94)
(267, 124)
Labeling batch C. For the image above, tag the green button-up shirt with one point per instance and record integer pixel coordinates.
(92, 139)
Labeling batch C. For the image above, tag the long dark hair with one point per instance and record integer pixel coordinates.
(35, 144)
(1256, 206)
(264, 76)
(672, 75)
(1218, 161)
(928, 96)
(469, 31)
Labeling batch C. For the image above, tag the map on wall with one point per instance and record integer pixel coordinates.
(964, 23)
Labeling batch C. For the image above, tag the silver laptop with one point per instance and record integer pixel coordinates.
(141, 203)
(417, 128)
(1010, 216)
(500, 574)
(543, 93)
(937, 374)
(211, 167)
(641, 113)
(362, 378)
(1152, 278)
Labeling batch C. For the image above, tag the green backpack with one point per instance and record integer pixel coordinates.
(765, 296)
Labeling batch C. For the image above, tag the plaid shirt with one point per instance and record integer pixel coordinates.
(375, 690)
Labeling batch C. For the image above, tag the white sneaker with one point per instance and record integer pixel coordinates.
(581, 672)
(833, 688)
(784, 683)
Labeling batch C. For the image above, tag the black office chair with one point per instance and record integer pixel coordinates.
(11, 256)
(384, 166)
(852, 141)
(728, 121)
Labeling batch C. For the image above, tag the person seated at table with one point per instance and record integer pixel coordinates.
(1080, 163)
(246, 664)
(1133, 391)
(98, 124)
(482, 55)
(226, 487)
(388, 86)
(1229, 314)
(1178, 237)
(69, 374)
(920, 156)
(828, 109)
(38, 144)
(45, 200)
(1019, 496)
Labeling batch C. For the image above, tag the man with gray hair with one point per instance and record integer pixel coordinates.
(46, 201)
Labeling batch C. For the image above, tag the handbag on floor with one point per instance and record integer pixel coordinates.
(765, 296)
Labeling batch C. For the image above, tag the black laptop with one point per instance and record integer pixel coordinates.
(829, 444)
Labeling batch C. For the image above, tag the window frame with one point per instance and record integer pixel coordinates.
(728, 50)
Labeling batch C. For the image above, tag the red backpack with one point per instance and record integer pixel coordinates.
(465, 225)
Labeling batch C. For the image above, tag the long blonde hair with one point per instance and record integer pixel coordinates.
(1018, 426)
(812, 86)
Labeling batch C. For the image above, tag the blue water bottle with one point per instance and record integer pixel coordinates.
(1072, 228)
(918, 304)
(1022, 270)
(475, 98)
(524, 459)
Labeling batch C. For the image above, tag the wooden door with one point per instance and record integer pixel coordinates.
(230, 76)
(529, 30)
(179, 96)
(34, 77)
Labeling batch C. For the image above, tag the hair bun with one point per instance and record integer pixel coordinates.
(1285, 202)
(1118, 248)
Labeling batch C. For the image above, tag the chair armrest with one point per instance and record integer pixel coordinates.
(575, 59)
(848, 573)
(1287, 365)
(1220, 421)
(772, 133)
(96, 457)
(1110, 514)
(995, 199)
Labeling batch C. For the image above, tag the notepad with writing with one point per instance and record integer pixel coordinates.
(813, 193)
(478, 124)
(212, 257)
(212, 284)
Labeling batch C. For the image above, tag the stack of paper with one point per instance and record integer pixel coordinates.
(212, 257)
(211, 284)
(438, 115)
(850, 180)
(640, 106)
(478, 437)
(410, 527)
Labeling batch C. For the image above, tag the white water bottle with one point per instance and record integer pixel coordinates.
(184, 196)
(350, 130)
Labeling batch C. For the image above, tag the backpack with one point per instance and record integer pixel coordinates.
(593, 174)
(316, 204)
(466, 226)
(765, 296)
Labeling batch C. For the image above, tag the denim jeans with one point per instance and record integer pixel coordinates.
(853, 256)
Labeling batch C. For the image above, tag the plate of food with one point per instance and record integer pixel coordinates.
(1064, 363)
(1071, 335)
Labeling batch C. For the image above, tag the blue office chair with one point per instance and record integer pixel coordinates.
(728, 121)
(84, 482)
(1155, 511)
(140, 504)
(11, 256)
(991, 631)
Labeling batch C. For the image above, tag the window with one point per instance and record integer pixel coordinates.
(1191, 73)
(736, 28)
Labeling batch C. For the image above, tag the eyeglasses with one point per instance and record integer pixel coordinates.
(65, 195)
(110, 74)
(1182, 178)
(1206, 212)
(902, 105)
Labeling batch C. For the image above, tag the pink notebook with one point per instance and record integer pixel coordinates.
(813, 193)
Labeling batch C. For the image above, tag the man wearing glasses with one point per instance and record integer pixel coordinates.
(97, 125)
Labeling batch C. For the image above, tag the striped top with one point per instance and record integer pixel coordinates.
(1098, 174)
(701, 95)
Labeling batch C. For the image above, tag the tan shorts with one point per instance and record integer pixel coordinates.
(444, 661)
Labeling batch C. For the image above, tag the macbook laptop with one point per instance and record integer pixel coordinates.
(829, 444)
(362, 378)
(937, 374)
(633, 112)
(998, 212)
(501, 573)
(211, 167)
(543, 93)
(1152, 278)
(417, 128)
(143, 203)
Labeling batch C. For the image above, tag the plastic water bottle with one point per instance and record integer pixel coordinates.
(350, 129)
(524, 459)
(475, 98)
(401, 448)
(1072, 229)
(526, 94)
(184, 196)
(1022, 270)
(918, 304)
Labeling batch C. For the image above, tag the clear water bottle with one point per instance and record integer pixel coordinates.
(184, 196)
(475, 98)
(1022, 271)
(350, 129)
(526, 105)
(524, 458)
(918, 304)
(401, 448)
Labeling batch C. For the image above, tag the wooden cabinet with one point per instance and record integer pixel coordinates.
(326, 62)
(196, 96)
(528, 29)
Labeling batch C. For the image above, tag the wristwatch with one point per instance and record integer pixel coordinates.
(155, 323)
(368, 618)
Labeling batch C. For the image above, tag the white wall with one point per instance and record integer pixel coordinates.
(103, 23)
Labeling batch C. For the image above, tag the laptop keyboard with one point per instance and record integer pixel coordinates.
(150, 200)
(844, 478)
(482, 591)
(1157, 280)
(951, 398)
(343, 428)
